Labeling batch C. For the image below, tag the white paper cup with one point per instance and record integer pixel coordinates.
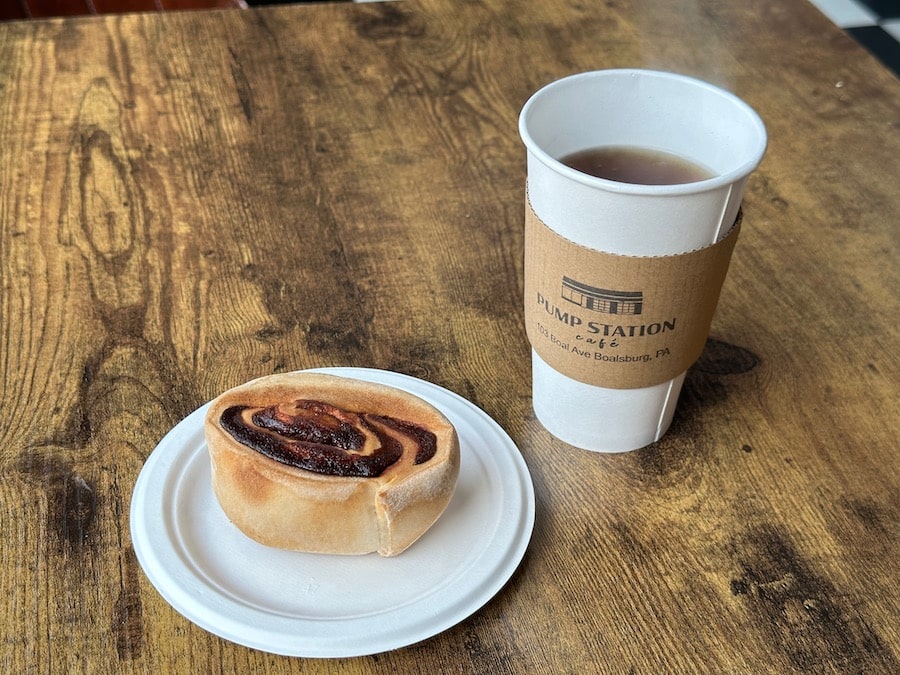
(652, 110)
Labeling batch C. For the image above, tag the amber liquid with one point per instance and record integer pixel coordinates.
(628, 164)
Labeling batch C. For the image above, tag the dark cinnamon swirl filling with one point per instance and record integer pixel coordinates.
(325, 439)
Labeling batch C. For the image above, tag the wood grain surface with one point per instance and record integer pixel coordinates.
(190, 200)
(11, 10)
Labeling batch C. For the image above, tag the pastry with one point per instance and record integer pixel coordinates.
(326, 464)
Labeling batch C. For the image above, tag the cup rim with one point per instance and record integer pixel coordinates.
(713, 183)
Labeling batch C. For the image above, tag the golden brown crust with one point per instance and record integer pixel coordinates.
(288, 507)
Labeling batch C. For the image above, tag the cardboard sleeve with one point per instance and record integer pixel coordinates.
(615, 321)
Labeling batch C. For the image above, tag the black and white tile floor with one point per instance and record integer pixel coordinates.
(873, 23)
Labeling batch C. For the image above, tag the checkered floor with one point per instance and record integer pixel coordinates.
(874, 23)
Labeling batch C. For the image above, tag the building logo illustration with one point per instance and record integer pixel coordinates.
(602, 300)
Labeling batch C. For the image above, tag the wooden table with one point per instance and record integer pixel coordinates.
(191, 200)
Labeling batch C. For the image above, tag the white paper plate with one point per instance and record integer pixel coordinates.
(300, 604)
